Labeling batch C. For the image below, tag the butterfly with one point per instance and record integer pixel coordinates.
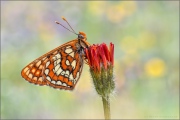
(61, 67)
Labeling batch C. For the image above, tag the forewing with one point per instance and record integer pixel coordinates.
(64, 68)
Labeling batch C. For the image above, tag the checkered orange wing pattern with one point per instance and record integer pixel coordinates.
(60, 68)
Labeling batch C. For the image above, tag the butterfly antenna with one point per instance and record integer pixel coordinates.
(65, 27)
(67, 23)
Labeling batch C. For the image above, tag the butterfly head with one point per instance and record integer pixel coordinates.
(82, 36)
(82, 40)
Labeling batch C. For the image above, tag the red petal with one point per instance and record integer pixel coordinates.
(102, 55)
(95, 61)
(106, 51)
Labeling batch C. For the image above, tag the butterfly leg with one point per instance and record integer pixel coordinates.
(85, 59)
(86, 62)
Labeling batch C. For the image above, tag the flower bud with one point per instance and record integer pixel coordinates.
(101, 62)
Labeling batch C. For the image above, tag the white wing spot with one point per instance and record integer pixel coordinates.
(53, 82)
(27, 72)
(47, 64)
(58, 71)
(56, 62)
(67, 62)
(57, 67)
(64, 84)
(59, 83)
(67, 72)
(31, 65)
(35, 78)
(30, 76)
(38, 63)
(25, 69)
(57, 56)
(68, 47)
(77, 75)
(72, 54)
(63, 73)
(48, 78)
(68, 50)
(40, 79)
(46, 71)
(71, 77)
(73, 64)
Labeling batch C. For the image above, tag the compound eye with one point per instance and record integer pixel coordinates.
(80, 36)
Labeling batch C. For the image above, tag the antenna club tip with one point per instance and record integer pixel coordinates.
(63, 18)
(57, 22)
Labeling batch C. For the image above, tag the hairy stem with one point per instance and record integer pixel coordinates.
(106, 106)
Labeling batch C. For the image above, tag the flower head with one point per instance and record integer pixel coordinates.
(99, 56)
(101, 61)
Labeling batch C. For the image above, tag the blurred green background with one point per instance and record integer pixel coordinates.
(146, 71)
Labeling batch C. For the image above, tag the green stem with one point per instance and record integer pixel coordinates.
(106, 106)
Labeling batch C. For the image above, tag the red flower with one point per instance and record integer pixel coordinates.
(101, 62)
(100, 56)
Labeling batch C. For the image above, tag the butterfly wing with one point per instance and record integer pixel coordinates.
(64, 68)
(60, 68)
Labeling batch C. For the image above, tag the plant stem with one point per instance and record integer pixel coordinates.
(106, 106)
